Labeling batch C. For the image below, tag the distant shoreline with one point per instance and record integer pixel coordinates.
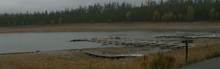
(135, 26)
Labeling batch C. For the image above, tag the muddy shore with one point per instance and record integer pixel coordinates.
(193, 26)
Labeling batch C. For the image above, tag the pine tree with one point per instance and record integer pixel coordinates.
(190, 14)
(168, 17)
(180, 17)
(60, 20)
(9, 23)
(212, 14)
(39, 22)
(128, 16)
(174, 18)
(52, 22)
(217, 16)
(156, 16)
(22, 22)
(15, 24)
(43, 22)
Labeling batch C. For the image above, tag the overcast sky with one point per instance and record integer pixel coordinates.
(15, 6)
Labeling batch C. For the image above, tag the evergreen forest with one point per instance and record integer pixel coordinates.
(149, 11)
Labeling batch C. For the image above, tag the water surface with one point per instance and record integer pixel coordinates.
(30, 42)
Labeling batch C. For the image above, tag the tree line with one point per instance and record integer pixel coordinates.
(167, 11)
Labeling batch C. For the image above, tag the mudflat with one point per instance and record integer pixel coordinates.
(78, 27)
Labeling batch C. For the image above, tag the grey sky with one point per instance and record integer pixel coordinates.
(15, 6)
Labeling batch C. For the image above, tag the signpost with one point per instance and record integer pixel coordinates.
(187, 41)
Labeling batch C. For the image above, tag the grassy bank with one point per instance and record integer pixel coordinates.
(79, 60)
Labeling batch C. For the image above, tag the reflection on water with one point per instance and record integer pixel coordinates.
(30, 42)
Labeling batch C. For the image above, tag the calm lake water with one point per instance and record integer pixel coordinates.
(30, 42)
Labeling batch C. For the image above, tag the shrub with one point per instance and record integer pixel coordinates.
(217, 53)
(162, 62)
(158, 62)
(208, 56)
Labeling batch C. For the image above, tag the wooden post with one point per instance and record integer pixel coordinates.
(187, 41)
(145, 58)
(186, 52)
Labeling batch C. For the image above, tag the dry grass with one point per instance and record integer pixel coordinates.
(46, 61)
(196, 54)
